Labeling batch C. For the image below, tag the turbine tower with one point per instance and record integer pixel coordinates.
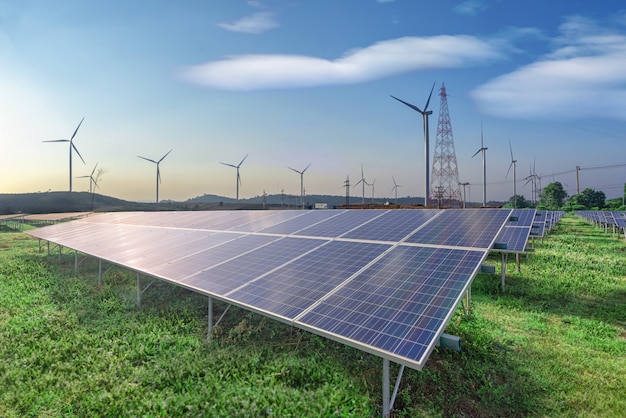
(72, 146)
(514, 165)
(158, 173)
(238, 181)
(425, 113)
(301, 182)
(445, 172)
(482, 149)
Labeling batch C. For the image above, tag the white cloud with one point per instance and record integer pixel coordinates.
(380, 60)
(583, 77)
(256, 23)
(469, 7)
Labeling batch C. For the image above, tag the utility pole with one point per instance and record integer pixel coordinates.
(347, 186)
(577, 184)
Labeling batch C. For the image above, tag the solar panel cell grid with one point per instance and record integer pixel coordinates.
(392, 226)
(293, 288)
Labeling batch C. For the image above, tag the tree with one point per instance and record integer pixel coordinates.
(552, 197)
(518, 201)
(587, 199)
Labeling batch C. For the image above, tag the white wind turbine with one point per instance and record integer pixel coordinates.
(483, 149)
(238, 176)
(158, 173)
(395, 188)
(514, 165)
(301, 183)
(362, 182)
(425, 113)
(92, 181)
(72, 146)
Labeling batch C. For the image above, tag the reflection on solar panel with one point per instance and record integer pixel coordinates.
(385, 281)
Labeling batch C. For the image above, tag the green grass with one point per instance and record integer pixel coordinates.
(553, 344)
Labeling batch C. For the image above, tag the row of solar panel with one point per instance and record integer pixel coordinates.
(609, 218)
(384, 281)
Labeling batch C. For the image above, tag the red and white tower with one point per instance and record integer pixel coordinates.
(445, 187)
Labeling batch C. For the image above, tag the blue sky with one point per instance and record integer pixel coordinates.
(292, 83)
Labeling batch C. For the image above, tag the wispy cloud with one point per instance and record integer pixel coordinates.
(256, 23)
(380, 60)
(582, 77)
(385, 1)
(469, 7)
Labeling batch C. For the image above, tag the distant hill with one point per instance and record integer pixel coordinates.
(56, 202)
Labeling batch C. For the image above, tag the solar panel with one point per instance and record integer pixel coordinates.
(400, 303)
(385, 281)
(392, 226)
(513, 238)
(462, 228)
(291, 289)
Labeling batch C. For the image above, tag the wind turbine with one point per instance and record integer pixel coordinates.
(363, 183)
(514, 165)
(372, 184)
(238, 176)
(425, 113)
(301, 182)
(483, 149)
(92, 181)
(72, 146)
(395, 188)
(158, 173)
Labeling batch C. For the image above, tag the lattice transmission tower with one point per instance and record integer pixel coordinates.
(445, 187)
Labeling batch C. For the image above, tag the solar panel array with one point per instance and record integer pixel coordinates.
(514, 236)
(384, 281)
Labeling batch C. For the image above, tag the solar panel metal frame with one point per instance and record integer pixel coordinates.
(135, 228)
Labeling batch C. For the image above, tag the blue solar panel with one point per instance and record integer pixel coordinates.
(291, 289)
(463, 228)
(232, 274)
(525, 217)
(399, 303)
(346, 274)
(393, 226)
(515, 239)
(340, 224)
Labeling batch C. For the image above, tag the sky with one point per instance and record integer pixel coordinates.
(293, 83)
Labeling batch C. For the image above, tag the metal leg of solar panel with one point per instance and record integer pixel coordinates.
(504, 257)
(518, 259)
(388, 402)
(140, 290)
(211, 325)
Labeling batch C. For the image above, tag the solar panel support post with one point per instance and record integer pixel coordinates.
(138, 291)
(504, 257)
(210, 320)
(100, 272)
(518, 258)
(468, 300)
(387, 401)
(75, 262)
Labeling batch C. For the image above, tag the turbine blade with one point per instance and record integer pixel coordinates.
(158, 174)
(147, 159)
(94, 169)
(417, 109)
(80, 123)
(76, 149)
(429, 96)
(476, 153)
(163, 157)
(307, 167)
(511, 149)
(507, 171)
(58, 140)
(294, 170)
(238, 177)
(244, 159)
(230, 165)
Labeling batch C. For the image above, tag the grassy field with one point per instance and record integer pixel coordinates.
(553, 344)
